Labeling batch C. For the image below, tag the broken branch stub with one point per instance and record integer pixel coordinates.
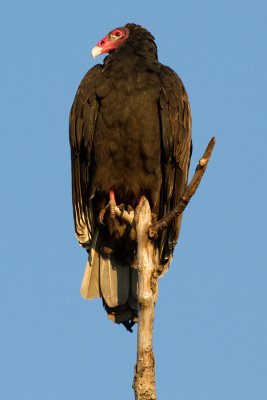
(164, 222)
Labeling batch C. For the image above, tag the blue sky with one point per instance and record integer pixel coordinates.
(211, 326)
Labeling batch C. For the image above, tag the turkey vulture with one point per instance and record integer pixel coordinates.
(130, 136)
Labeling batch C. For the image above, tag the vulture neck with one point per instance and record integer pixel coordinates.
(133, 56)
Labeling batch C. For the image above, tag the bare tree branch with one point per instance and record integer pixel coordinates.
(146, 262)
(124, 215)
(164, 222)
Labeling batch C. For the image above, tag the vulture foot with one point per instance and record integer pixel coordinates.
(109, 207)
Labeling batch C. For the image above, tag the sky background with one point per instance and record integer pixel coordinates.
(210, 337)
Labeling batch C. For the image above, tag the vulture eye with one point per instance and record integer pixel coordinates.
(115, 34)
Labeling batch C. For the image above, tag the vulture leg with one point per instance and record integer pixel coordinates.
(154, 216)
(110, 206)
(138, 209)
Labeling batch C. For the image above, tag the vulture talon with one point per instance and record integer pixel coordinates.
(102, 214)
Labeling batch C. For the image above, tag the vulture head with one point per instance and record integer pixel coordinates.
(129, 35)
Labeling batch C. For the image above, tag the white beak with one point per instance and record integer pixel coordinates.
(96, 51)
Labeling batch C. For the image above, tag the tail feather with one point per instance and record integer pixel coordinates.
(114, 281)
(90, 284)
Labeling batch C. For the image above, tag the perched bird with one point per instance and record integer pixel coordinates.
(130, 136)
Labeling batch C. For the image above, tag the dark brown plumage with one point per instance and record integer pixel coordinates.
(130, 133)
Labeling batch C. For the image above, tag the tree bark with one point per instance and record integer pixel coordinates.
(146, 263)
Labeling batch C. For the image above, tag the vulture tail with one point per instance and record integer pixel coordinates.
(113, 280)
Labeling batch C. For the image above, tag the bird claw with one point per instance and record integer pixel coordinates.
(111, 207)
(101, 215)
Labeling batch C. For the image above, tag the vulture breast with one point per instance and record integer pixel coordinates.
(127, 144)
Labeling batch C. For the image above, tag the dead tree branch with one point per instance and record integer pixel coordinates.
(146, 262)
(124, 215)
(164, 222)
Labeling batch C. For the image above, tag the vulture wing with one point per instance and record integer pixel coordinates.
(82, 126)
(103, 276)
(177, 148)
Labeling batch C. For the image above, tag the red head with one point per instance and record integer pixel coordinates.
(110, 42)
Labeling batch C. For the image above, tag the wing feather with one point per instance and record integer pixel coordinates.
(175, 117)
(83, 117)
